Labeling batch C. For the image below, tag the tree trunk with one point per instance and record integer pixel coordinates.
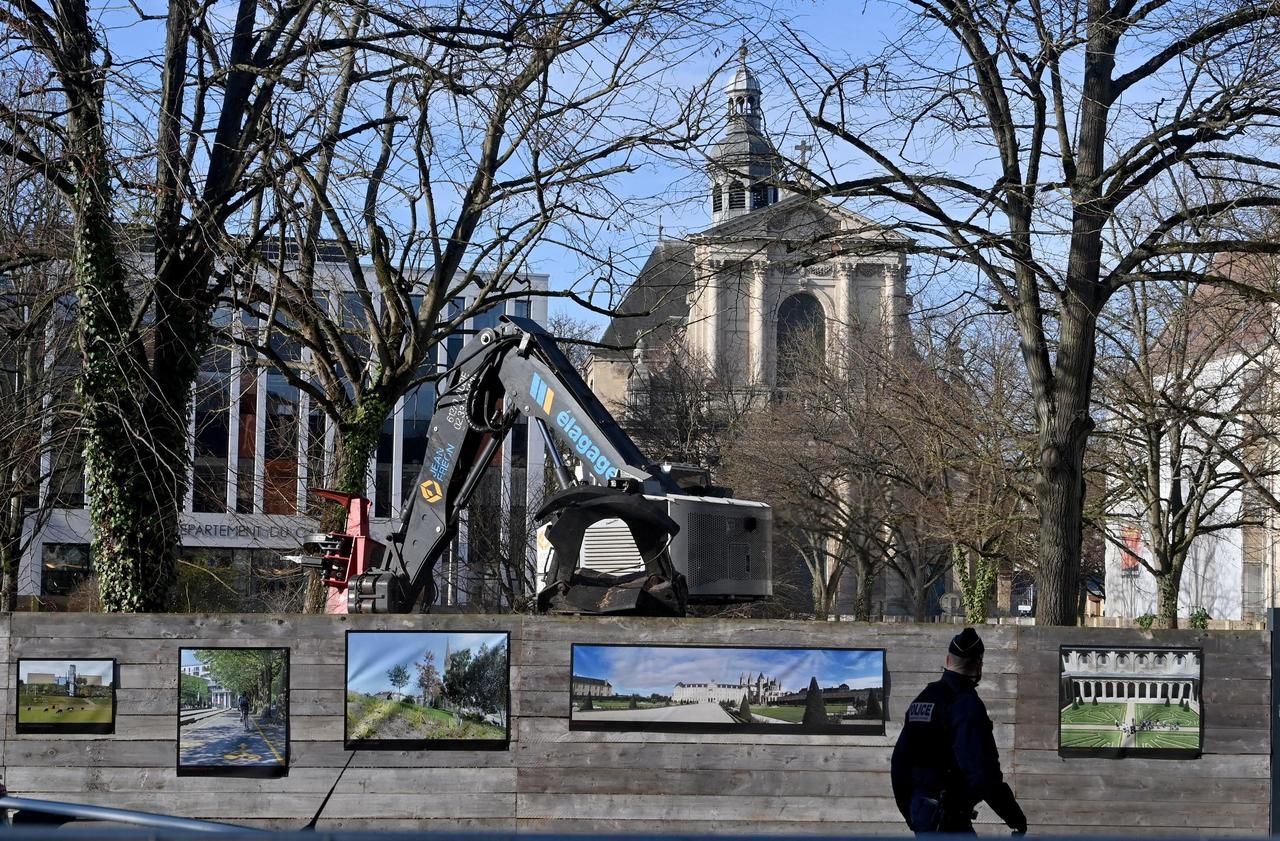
(11, 551)
(1062, 408)
(133, 563)
(919, 599)
(862, 601)
(357, 442)
(358, 434)
(821, 598)
(977, 583)
(1167, 586)
(1064, 432)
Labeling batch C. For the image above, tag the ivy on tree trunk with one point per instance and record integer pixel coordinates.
(131, 559)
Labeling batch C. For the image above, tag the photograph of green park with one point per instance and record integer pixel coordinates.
(66, 696)
(427, 689)
(1119, 702)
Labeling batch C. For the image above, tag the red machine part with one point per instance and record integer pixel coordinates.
(356, 550)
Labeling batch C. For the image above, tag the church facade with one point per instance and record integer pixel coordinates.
(773, 261)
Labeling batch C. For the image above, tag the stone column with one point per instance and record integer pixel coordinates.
(709, 313)
(758, 341)
(893, 306)
(844, 277)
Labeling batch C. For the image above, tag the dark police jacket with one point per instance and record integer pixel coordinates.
(947, 744)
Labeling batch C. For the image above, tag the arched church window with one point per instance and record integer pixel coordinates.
(737, 196)
(802, 336)
(759, 196)
(717, 201)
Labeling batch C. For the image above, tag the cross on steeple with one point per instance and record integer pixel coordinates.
(804, 149)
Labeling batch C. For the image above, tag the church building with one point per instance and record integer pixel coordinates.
(777, 276)
(773, 261)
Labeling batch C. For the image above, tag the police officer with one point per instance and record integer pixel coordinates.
(946, 760)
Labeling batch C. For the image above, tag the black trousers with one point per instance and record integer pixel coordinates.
(929, 816)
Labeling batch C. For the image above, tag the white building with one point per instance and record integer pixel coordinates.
(595, 687)
(1127, 675)
(757, 690)
(1228, 353)
(256, 444)
(219, 696)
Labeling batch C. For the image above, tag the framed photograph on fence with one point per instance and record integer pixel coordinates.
(233, 712)
(1118, 701)
(728, 689)
(66, 696)
(442, 690)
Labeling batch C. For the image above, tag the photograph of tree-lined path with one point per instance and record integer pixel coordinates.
(770, 690)
(66, 696)
(219, 736)
(426, 689)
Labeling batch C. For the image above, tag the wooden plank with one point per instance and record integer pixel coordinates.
(36, 782)
(1255, 766)
(701, 755)
(1100, 816)
(738, 782)
(420, 826)
(557, 729)
(692, 827)
(290, 807)
(1183, 786)
(653, 807)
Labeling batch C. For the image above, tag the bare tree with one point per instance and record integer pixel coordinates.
(172, 141)
(39, 422)
(1064, 113)
(1187, 394)
(971, 407)
(495, 137)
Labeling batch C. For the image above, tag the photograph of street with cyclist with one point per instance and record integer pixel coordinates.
(427, 689)
(66, 696)
(233, 712)
(1121, 701)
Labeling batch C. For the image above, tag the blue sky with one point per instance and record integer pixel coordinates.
(650, 669)
(674, 192)
(855, 29)
(85, 668)
(371, 654)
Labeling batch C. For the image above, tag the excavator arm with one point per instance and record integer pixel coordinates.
(515, 369)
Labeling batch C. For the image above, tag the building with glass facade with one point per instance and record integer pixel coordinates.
(258, 448)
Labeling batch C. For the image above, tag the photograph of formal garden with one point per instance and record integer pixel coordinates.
(233, 712)
(727, 689)
(66, 696)
(1122, 701)
(427, 689)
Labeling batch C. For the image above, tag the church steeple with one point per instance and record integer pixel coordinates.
(743, 162)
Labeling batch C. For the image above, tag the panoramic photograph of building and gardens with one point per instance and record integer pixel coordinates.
(1130, 701)
(427, 689)
(66, 696)
(657, 687)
